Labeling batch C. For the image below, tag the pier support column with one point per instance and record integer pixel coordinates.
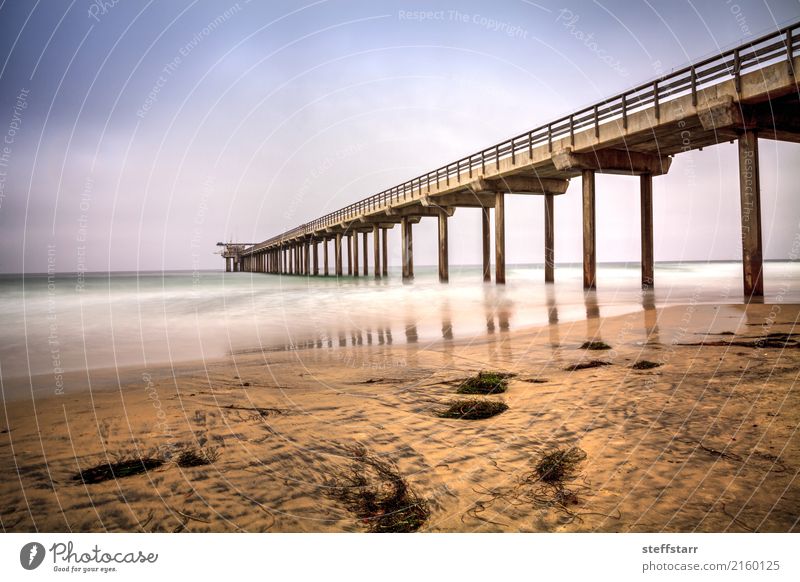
(315, 253)
(499, 238)
(350, 254)
(376, 250)
(647, 230)
(486, 243)
(307, 258)
(407, 249)
(366, 255)
(355, 254)
(750, 196)
(444, 267)
(385, 253)
(549, 240)
(325, 256)
(338, 254)
(227, 264)
(589, 257)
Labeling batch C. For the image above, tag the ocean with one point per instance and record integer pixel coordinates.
(112, 320)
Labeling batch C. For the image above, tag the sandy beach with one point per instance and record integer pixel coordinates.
(706, 440)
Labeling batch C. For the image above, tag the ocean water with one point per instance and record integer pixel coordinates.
(49, 324)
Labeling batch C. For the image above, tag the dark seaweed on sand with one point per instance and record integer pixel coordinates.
(586, 365)
(645, 365)
(595, 345)
(379, 495)
(197, 457)
(472, 409)
(485, 383)
(123, 468)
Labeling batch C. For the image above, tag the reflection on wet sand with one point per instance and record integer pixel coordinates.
(498, 311)
(447, 321)
(650, 316)
(552, 316)
(592, 316)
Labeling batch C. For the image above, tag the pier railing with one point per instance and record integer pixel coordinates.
(754, 54)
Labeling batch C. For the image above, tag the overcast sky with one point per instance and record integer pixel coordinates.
(139, 134)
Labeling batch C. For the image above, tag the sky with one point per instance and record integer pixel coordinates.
(138, 134)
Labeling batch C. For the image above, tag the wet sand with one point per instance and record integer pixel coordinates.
(706, 441)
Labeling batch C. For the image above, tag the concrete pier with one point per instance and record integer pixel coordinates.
(499, 239)
(486, 243)
(549, 240)
(636, 133)
(385, 252)
(750, 200)
(325, 257)
(444, 267)
(338, 253)
(646, 194)
(589, 257)
(366, 254)
(376, 250)
(350, 255)
(408, 249)
(355, 254)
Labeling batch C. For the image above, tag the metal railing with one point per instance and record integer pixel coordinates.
(772, 48)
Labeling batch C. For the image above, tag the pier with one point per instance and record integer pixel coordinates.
(741, 95)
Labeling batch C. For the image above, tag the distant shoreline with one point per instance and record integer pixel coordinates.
(391, 268)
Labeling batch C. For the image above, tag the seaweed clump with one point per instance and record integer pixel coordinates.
(124, 467)
(645, 365)
(586, 365)
(559, 465)
(545, 487)
(472, 409)
(595, 345)
(197, 457)
(485, 383)
(379, 495)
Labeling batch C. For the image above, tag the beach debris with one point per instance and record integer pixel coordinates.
(586, 365)
(122, 467)
(197, 457)
(379, 496)
(595, 345)
(544, 487)
(485, 383)
(645, 365)
(472, 409)
(770, 340)
(535, 380)
(559, 465)
(258, 410)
